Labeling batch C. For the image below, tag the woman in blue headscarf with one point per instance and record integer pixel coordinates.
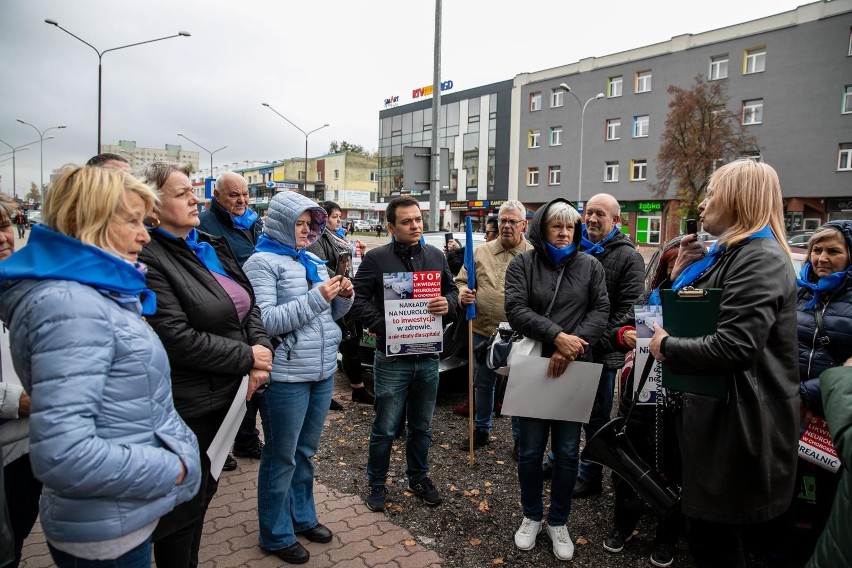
(299, 303)
(208, 320)
(556, 296)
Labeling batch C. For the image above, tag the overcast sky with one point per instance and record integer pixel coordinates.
(315, 61)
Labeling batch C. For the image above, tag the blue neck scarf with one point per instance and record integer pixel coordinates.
(825, 284)
(595, 249)
(53, 256)
(246, 220)
(698, 268)
(340, 232)
(204, 251)
(306, 259)
(557, 254)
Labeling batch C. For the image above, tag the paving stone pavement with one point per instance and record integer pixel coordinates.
(362, 538)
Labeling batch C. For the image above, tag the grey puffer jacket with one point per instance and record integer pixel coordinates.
(291, 305)
(581, 307)
(739, 452)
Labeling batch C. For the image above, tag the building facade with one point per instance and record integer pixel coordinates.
(473, 125)
(788, 77)
(140, 158)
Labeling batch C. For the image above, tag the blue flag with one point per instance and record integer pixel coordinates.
(470, 311)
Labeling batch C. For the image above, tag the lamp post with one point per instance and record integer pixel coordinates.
(14, 151)
(306, 139)
(567, 89)
(206, 150)
(100, 61)
(41, 148)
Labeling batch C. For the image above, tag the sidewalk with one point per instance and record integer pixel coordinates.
(362, 538)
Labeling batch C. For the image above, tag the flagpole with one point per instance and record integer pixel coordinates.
(470, 386)
(469, 314)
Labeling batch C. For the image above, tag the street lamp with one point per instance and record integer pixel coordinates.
(14, 151)
(41, 148)
(100, 61)
(206, 150)
(306, 139)
(567, 89)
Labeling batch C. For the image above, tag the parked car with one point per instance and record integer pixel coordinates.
(364, 225)
(33, 217)
(798, 238)
(438, 239)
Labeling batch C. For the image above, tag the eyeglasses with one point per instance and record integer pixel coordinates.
(513, 222)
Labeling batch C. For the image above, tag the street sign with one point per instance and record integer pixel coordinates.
(209, 184)
(417, 167)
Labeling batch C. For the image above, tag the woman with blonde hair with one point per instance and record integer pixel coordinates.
(105, 439)
(738, 451)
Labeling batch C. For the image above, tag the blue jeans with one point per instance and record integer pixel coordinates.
(484, 382)
(139, 557)
(292, 415)
(402, 383)
(601, 412)
(565, 443)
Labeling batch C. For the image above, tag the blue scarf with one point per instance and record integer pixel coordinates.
(557, 254)
(595, 249)
(204, 251)
(306, 259)
(340, 232)
(53, 256)
(825, 284)
(246, 220)
(699, 268)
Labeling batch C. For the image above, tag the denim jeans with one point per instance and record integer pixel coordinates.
(139, 557)
(565, 443)
(410, 384)
(484, 382)
(292, 415)
(601, 413)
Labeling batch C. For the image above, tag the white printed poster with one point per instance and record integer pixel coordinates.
(409, 327)
(646, 317)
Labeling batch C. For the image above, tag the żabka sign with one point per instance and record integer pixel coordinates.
(427, 90)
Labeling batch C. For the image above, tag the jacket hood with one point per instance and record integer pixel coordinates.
(538, 230)
(284, 210)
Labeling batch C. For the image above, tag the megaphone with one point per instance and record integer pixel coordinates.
(611, 447)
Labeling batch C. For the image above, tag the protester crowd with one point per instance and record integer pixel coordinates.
(133, 326)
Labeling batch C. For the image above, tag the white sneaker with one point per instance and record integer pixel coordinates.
(525, 537)
(563, 547)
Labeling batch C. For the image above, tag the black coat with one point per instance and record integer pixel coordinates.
(581, 307)
(216, 221)
(369, 304)
(209, 348)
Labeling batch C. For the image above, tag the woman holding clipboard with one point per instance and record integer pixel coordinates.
(739, 450)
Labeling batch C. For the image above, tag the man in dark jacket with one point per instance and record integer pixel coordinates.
(230, 217)
(402, 382)
(624, 269)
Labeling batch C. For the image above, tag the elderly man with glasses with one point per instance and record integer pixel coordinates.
(229, 216)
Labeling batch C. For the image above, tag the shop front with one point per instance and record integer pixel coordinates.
(478, 210)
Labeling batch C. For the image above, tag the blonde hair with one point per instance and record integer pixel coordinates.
(750, 193)
(83, 201)
(8, 208)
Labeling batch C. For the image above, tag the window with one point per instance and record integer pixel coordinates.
(643, 81)
(301, 174)
(640, 126)
(374, 176)
(844, 157)
(850, 42)
(638, 170)
(532, 138)
(319, 176)
(336, 174)
(755, 60)
(532, 176)
(535, 101)
(613, 129)
(753, 111)
(847, 99)
(719, 67)
(554, 175)
(557, 98)
(613, 88)
(556, 136)
(611, 172)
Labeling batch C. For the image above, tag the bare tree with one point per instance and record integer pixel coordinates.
(701, 134)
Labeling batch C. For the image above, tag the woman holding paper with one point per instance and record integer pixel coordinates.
(210, 325)
(300, 303)
(738, 451)
(558, 297)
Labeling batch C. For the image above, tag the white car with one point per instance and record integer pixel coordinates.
(364, 225)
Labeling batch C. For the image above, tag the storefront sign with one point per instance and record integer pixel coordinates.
(649, 206)
(391, 102)
(840, 204)
(427, 90)
(475, 205)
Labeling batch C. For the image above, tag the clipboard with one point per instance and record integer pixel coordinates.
(692, 312)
